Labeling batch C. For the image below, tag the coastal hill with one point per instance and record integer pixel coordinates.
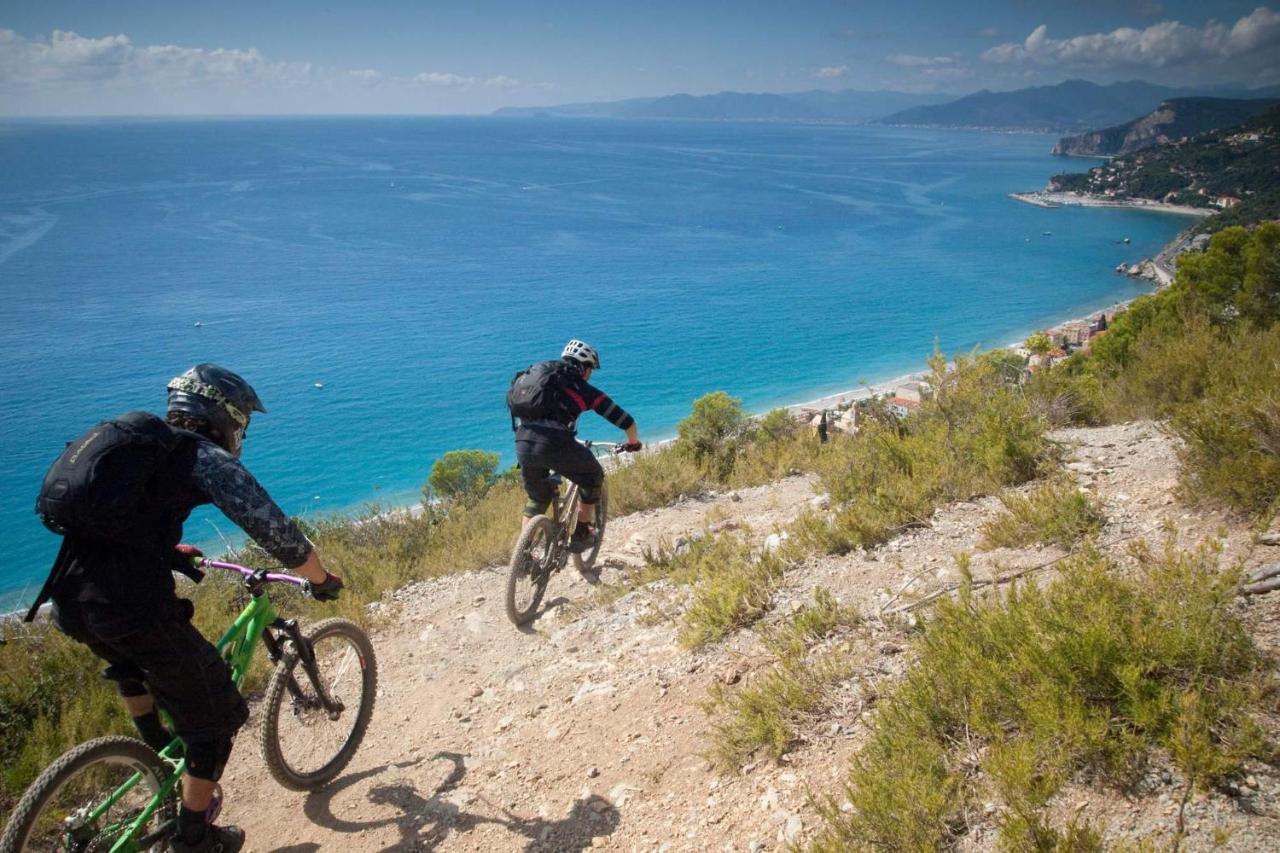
(1236, 170)
(847, 106)
(591, 730)
(1074, 105)
(1174, 119)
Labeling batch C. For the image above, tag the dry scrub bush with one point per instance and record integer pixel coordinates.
(1086, 677)
(976, 435)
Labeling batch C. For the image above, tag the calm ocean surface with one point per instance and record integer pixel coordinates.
(410, 266)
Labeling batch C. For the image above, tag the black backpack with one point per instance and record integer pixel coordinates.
(105, 487)
(538, 390)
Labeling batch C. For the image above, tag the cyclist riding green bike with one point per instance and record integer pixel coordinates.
(113, 589)
(548, 398)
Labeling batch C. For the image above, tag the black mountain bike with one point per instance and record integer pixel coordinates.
(543, 546)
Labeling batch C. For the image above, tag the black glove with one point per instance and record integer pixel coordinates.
(630, 447)
(327, 590)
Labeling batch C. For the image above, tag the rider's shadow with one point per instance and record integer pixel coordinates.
(425, 822)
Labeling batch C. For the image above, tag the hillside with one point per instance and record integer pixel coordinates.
(589, 730)
(1236, 169)
(1071, 106)
(1173, 120)
(847, 106)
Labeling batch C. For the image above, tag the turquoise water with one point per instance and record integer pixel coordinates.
(410, 266)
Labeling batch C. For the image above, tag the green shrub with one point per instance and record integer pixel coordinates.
(461, 476)
(712, 433)
(733, 589)
(777, 448)
(977, 434)
(1231, 436)
(653, 479)
(1056, 513)
(1087, 675)
(1067, 394)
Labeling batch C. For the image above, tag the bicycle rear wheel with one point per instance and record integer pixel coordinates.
(304, 744)
(87, 799)
(586, 561)
(530, 569)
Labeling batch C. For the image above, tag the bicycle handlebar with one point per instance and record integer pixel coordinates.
(269, 577)
(612, 446)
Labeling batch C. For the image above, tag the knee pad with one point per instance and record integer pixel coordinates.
(590, 494)
(206, 759)
(533, 509)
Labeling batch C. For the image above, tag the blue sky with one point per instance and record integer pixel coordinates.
(70, 57)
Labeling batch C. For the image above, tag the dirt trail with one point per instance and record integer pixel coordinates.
(587, 730)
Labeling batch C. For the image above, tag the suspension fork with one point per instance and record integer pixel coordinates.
(306, 656)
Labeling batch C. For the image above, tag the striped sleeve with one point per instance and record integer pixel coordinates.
(603, 405)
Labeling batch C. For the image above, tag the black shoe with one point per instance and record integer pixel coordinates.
(584, 536)
(217, 839)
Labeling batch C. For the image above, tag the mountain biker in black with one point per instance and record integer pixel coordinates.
(546, 444)
(121, 602)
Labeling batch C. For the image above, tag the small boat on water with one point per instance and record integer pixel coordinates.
(319, 385)
(1125, 241)
(199, 324)
(1048, 233)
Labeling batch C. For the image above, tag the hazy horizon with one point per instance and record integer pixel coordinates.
(392, 57)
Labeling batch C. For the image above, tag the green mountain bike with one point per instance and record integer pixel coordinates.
(116, 795)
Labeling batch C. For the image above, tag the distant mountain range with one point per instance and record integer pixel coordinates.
(1174, 119)
(847, 106)
(1075, 105)
(1072, 107)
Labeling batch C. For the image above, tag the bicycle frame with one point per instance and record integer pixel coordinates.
(236, 646)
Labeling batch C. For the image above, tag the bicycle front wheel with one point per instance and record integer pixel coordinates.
(530, 569)
(304, 743)
(87, 800)
(586, 561)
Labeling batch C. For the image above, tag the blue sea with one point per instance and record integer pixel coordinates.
(380, 280)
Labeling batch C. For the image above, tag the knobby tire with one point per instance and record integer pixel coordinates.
(356, 686)
(124, 754)
(529, 566)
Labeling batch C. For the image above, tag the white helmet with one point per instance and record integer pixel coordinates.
(582, 353)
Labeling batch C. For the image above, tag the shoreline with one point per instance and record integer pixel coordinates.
(1046, 198)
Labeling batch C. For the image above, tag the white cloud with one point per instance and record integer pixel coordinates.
(441, 78)
(69, 73)
(1166, 43)
(830, 72)
(908, 60)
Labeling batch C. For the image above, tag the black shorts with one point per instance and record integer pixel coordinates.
(179, 667)
(540, 455)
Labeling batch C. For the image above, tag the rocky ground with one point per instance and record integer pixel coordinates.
(587, 730)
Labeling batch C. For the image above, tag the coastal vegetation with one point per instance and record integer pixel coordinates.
(1082, 678)
(1203, 354)
(1236, 169)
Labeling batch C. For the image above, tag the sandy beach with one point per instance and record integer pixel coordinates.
(1044, 198)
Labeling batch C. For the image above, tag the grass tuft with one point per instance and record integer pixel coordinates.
(764, 714)
(1055, 513)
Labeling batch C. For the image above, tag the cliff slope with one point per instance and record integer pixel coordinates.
(588, 731)
(1174, 119)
